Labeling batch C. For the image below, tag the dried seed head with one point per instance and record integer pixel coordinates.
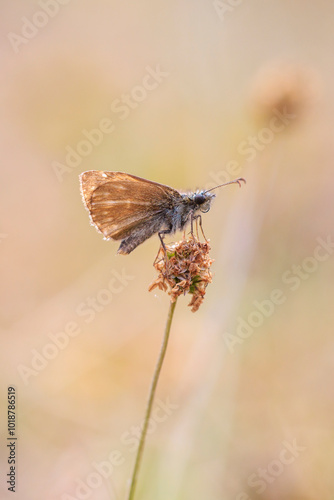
(184, 268)
(284, 88)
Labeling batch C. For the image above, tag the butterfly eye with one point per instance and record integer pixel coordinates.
(199, 198)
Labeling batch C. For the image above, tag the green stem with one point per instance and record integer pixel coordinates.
(151, 399)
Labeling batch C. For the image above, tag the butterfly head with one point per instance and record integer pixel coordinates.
(202, 200)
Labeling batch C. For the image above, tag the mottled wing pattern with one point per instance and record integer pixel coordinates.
(119, 202)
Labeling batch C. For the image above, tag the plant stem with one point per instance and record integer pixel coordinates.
(151, 399)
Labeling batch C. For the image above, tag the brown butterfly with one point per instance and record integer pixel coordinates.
(128, 208)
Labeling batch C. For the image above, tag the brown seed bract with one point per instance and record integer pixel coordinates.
(186, 269)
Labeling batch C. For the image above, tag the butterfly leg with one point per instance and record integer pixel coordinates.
(161, 235)
(192, 218)
(198, 218)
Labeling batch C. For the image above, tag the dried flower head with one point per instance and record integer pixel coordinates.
(287, 88)
(184, 268)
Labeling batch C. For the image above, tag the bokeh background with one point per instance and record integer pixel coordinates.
(240, 89)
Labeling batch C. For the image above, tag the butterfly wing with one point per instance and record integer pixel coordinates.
(119, 203)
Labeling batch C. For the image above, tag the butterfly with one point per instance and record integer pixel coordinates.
(131, 209)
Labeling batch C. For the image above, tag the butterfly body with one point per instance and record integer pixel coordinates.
(128, 208)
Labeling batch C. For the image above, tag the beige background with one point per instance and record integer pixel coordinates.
(235, 402)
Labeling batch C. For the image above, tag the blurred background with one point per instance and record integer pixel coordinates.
(189, 94)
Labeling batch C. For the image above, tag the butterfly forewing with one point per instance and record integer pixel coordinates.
(119, 202)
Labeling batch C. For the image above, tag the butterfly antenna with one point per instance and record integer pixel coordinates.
(235, 181)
